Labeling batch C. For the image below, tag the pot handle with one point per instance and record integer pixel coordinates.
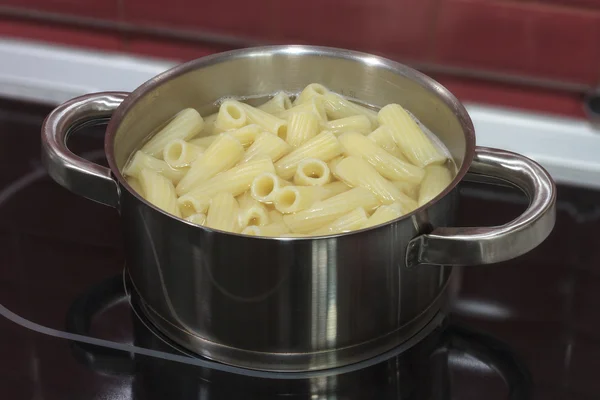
(80, 176)
(488, 245)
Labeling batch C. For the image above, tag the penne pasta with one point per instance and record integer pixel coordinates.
(231, 115)
(252, 212)
(135, 185)
(312, 172)
(327, 211)
(209, 125)
(354, 220)
(221, 155)
(247, 135)
(290, 199)
(409, 189)
(272, 230)
(265, 185)
(387, 165)
(268, 122)
(142, 160)
(309, 92)
(278, 103)
(198, 219)
(189, 205)
(275, 216)
(203, 141)
(356, 123)
(235, 180)
(223, 213)
(302, 126)
(267, 144)
(357, 172)
(315, 105)
(159, 191)
(185, 125)
(437, 179)
(338, 107)
(179, 153)
(319, 165)
(409, 137)
(324, 146)
(385, 213)
(382, 137)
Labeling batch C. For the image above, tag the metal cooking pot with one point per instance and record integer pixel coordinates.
(294, 303)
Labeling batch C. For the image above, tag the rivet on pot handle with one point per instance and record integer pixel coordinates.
(80, 176)
(487, 245)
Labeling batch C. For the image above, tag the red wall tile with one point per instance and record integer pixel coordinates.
(105, 9)
(571, 3)
(526, 39)
(400, 27)
(60, 34)
(514, 96)
(169, 49)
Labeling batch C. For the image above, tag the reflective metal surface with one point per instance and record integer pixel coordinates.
(487, 245)
(294, 303)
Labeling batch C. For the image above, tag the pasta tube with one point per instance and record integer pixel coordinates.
(385, 213)
(327, 211)
(409, 137)
(338, 107)
(209, 125)
(356, 123)
(387, 165)
(203, 141)
(275, 216)
(221, 155)
(159, 191)
(185, 125)
(357, 172)
(235, 180)
(315, 105)
(276, 229)
(409, 189)
(231, 116)
(324, 146)
(302, 126)
(265, 185)
(189, 205)
(247, 135)
(354, 220)
(312, 172)
(278, 103)
(382, 136)
(198, 219)
(142, 160)
(179, 153)
(291, 199)
(223, 213)
(252, 212)
(267, 144)
(310, 91)
(437, 179)
(268, 122)
(135, 185)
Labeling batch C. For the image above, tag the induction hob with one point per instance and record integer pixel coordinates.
(526, 328)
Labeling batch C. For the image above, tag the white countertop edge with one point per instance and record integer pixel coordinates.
(567, 147)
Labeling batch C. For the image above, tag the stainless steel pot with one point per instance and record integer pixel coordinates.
(294, 303)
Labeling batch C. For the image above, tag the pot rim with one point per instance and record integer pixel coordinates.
(364, 58)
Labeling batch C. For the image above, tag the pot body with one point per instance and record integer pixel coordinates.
(295, 303)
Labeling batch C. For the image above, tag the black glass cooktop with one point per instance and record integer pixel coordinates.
(527, 328)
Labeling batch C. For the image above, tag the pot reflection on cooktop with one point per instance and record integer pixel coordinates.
(422, 371)
(55, 247)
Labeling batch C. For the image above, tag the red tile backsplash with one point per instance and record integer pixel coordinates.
(169, 49)
(519, 38)
(105, 9)
(60, 34)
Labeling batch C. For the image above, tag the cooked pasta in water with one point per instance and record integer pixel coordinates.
(315, 165)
